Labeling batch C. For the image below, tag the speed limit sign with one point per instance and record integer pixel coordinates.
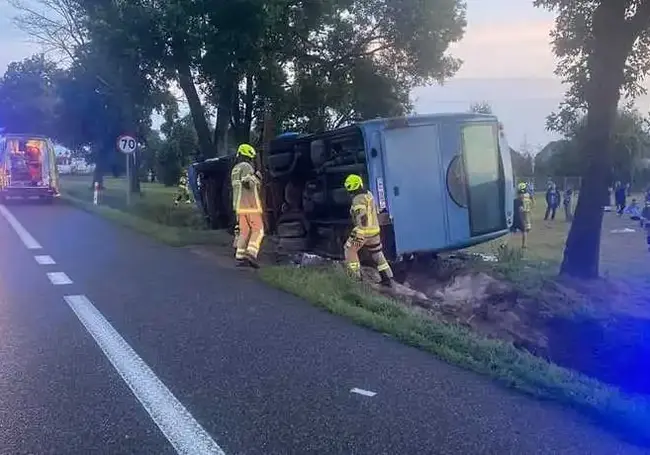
(126, 144)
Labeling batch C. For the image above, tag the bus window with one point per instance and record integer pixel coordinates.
(485, 185)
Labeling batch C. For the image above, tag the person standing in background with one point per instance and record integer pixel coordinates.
(619, 198)
(552, 201)
(183, 190)
(567, 202)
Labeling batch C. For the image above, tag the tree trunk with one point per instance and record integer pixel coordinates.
(606, 69)
(224, 113)
(186, 82)
(248, 108)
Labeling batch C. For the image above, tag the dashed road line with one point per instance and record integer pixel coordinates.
(44, 260)
(365, 393)
(183, 432)
(59, 278)
(29, 241)
(174, 420)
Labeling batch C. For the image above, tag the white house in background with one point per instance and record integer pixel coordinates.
(68, 165)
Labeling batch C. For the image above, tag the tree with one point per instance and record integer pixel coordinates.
(603, 49)
(630, 146)
(28, 96)
(101, 61)
(481, 107)
(55, 24)
(177, 151)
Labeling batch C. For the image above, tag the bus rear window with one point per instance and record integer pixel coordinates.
(482, 162)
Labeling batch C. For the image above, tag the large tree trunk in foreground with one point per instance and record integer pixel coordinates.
(612, 44)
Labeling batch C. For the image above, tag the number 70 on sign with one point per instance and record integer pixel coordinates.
(127, 144)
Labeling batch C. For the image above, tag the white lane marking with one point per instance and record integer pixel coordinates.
(176, 423)
(44, 260)
(365, 393)
(29, 241)
(59, 278)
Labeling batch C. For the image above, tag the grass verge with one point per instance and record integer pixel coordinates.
(329, 288)
(170, 235)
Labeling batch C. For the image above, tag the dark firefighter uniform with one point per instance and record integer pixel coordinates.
(247, 205)
(183, 191)
(365, 233)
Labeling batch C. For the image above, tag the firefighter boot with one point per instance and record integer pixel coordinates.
(386, 279)
(252, 262)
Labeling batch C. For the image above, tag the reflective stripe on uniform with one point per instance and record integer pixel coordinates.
(383, 266)
(354, 265)
(245, 172)
(363, 205)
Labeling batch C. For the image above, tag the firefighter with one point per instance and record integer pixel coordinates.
(365, 233)
(522, 208)
(247, 204)
(33, 155)
(183, 191)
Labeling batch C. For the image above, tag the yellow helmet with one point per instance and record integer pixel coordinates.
(246, 150)
(353, 182)
(522, 186)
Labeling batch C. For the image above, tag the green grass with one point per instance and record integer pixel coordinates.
(330, 288)
(152, 213)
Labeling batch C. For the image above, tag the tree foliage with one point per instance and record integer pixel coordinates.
(28, 96)
(481, 107)
(316, 65)
(630, 149)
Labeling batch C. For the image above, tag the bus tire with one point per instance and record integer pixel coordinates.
(292, 245)
(291, 229)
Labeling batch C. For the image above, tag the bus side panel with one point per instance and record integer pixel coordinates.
(415, 188)
(374, 163)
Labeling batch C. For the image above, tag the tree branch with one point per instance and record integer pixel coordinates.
(641, 19)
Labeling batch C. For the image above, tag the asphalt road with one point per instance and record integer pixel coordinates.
(141, 348)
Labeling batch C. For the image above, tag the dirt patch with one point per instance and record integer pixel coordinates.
(601, 328)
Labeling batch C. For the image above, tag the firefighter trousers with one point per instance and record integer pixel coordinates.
(373, 246)
(182, 195)
(251, 233)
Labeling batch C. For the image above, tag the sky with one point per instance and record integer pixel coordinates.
(507, 61)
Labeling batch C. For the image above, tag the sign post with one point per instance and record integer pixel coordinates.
(127, 145)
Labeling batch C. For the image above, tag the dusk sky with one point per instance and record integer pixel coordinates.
(507, 61)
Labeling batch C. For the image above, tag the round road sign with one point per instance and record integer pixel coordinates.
(126, 144)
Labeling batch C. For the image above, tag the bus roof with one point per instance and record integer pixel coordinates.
(428, 118)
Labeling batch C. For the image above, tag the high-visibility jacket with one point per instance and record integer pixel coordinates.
(245, 189)
(527, 203)
(526, 209)
(364, 215)
(183, 181)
